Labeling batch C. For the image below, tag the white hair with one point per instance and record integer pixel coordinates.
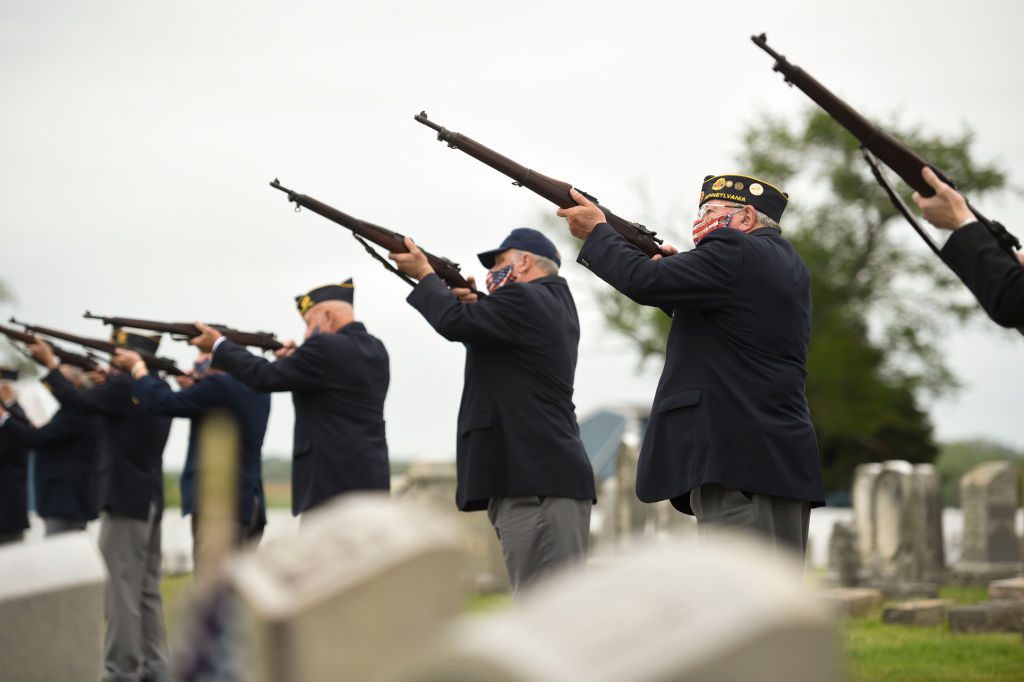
(765, 221)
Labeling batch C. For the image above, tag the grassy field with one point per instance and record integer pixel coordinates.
(874, 650)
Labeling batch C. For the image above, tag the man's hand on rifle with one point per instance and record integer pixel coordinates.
(207, 337)
(287, 348)
(946, 208)
(466, 295)
(414, 263)
(584, 218)
(129, 361)
(43, 353)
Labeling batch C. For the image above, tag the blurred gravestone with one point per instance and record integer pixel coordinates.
(433, 484)
(989, 497)
(899, 526)
(364, 583)
(51, 610)
(675, 611)
(843, 555)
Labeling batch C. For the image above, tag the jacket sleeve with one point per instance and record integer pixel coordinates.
(109, 399)
(994, 276)
(494, 320)
(156, 397)
(702, 278)
(57, 430)
(302, 370)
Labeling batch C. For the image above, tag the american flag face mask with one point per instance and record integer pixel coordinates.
(496, 279)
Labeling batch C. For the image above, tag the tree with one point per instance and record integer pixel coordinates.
(881, 300)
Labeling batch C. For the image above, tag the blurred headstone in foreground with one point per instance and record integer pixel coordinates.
(898, 512)
(433, 484)
(989, 497)
(51, 610)
(676, 611)
(366, 582)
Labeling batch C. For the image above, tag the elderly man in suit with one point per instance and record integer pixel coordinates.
(338, 379)
(730, 438)
(519, 454)
(131, 500)
(205, 391)
(992, 274)
(67, 455)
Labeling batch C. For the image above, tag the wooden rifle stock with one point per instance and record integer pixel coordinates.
(187, 330)
(555, 191)
(381, 236)
(66, 356)
(899, 157)
(108, 347)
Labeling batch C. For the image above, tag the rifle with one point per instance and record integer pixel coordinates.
(555, 191)
(108, 347)
(879, 144)
(66, 356)
(447, 270)
(182, 331)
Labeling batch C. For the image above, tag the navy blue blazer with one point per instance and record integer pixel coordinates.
(730, 407)
(994, 276)
(13, 475)
(517, 431)
(132, 441)
(67, 456)
(250, 410)
(338, 383)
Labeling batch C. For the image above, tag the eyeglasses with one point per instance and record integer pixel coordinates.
(703, 210)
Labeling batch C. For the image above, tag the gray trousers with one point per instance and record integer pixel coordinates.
(539, 533)
(781, 521)
(135, 647)
(55, 525)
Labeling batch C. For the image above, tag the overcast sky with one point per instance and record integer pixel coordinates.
(138, 140)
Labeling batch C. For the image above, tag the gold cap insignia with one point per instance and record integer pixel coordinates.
(756, 189)
(719, 184)
(305, 304)
(122, 337)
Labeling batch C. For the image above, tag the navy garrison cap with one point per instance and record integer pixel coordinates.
(142, 342)
(328, 292)
(743, 189)
(8, 374)
(524, 239)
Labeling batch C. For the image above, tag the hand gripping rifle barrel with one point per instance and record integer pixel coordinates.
(394, 242)
(181, 331)
(555, 191)
(109, 347)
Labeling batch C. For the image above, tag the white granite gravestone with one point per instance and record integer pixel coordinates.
(51, 610)
(676, 611)
(365, 582)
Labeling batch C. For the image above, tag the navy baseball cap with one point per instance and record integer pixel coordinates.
(524, 239)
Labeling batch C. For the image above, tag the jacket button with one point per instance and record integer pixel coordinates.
(584, 262)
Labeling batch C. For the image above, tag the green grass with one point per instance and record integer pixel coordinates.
(173, 589)
(895, 653)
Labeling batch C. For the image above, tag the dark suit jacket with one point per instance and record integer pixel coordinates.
(338, 384)
(250, 411)
(67, 456)
(517, 423)
(13, 475)
(994, 276)
(132, 443)
(730, 406)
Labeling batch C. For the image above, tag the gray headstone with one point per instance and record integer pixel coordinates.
(364, 583)
(921, 612)
(51, 610)
(676, 611)
(989, 497)
(852, 602)
(861, 497)
(843, 555)
(996, 615)
(433, 484)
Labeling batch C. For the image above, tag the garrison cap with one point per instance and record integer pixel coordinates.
(144, 342)
(328, 292)
(524, 239)
(8, 374)
(743, 189)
